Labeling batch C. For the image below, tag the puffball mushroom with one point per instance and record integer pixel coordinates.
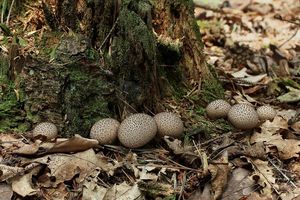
(218, 109)
(243, 116)
(46, 129)
(168, 124)
(105, 131)
(265, 113)
(137, 130)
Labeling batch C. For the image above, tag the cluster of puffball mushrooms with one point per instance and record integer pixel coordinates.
(242, 115)
(139, 129)
(134, 132)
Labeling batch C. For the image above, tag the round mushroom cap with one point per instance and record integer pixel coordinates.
(105, 131)
(46, 129)
(266, 113)
(243, 116)
(168, 124)
(218, 109)
(137, 130)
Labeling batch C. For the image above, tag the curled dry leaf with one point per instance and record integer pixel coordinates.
(91, 190)
(23, 185)
(7, 172)
(286, 148)
(219, 174)
(64, 167)
(239, 185)
(263, 175)
(61, 145)
(123, 192)
(74, 144)
(5, 191)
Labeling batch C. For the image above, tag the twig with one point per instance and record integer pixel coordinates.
(182, 185)
(9, 12)
(289, 38)
(285, 176)
(109, 33)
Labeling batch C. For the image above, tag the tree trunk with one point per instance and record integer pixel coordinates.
(119, 57)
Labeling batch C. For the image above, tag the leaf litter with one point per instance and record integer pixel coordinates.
(254, 46)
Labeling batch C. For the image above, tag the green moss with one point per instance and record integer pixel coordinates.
(11, 99)
(209, 128)
(134, 36)
(84, 102)
(212, 88)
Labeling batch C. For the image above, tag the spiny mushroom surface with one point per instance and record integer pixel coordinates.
(218, 109)
(243, 116)
(46, 129)
(266, 113)
(105, 131)
(137, 130)
(168, 124)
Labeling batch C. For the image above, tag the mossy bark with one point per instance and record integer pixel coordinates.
(120, 57)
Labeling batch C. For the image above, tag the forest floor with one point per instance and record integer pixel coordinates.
(254, 46)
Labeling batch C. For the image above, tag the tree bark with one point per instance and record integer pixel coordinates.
(119, 57)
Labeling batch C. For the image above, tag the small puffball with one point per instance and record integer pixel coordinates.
(105, 131)
(137, 130)
(218, 109)
(46, 129)
(266, 113)
(243, 116)
(168, 124)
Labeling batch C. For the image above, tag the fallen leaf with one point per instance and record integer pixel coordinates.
(23, 184)
(74, 144)
(219, 173)
(64, 166)
(93, 191)
(239, 185)
(286, 148)
(7, 172)
(292, 96)
(264, 176)
(124, 192)
(5, 191)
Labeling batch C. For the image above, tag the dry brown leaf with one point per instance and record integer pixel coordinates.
(7, 172)
(5, 191)
(58, 193)
(177, 146)
(296, 127)
(124, 192)
(64, 166)
(23, 184)
(264, 176)
(74, 144)
(239, 185)
(61, 145)
(292, 194)
(145, 173)
(269, 130)
(256, 150)
(10, 142)
(28, 149)
(286, 148)
(294, 167)
(91, 190)
(204, 195)
(219, 173)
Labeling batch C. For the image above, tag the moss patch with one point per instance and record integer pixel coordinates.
(212, 88)
(11, 97)
(84, 103)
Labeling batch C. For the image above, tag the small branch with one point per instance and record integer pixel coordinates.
(111, 30)
(9, 12)
(285, 176)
